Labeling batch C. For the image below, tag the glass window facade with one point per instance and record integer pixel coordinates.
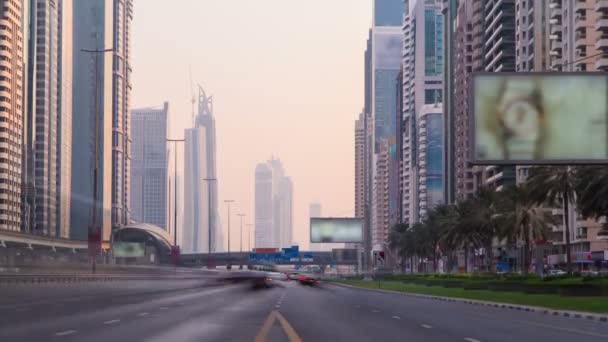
(434, 159)
(432, 96)
(433, 41)
(388, 12)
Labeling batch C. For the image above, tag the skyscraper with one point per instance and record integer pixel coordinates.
(11, 113)
(422, 85)
(93, 99)
(200, 196)
(430, 158)
(273, 205)
(121, 121)
(359, 166)
(47, 124)
(149, 165)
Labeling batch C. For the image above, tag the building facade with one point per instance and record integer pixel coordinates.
(201, 214)
(273, 206)
(92, 115)
(48, 118)
(422, 85)
(121, 121)
(149, 166)
(11, 113)
(430, 158)
(578, 39)
(359, 166)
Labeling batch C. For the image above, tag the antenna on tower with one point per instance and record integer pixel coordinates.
(192, 96)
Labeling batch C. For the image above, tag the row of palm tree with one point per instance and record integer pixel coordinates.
(519, 213)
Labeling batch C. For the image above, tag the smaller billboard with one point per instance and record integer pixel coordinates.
(341, 230)
(128, 249)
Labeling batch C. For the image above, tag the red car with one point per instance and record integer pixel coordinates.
(306, 279)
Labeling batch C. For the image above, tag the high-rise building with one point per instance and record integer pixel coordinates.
(121, 130)
(380, 217)
(64, 124)
(273, 206)
(422, 85)
(463, 177)
(47, 125)
(578, 39)
(531, 35)
(359, 166)
(149, 165)
(449, 10)
(11, 113)
(494, 51)
(430, 158)
(263, 206)
(92, 116)
(200, 195)
(382, 67)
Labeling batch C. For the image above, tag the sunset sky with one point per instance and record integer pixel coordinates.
(287, 81)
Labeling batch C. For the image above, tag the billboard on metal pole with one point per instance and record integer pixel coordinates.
(333, 229)
(539, 118)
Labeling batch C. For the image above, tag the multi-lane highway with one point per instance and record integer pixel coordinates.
(192, 310)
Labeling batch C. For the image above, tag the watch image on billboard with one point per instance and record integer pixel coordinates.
(343, 230)
(539, 118)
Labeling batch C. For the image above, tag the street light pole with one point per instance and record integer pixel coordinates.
(95, 235)
(175, 141)
(228, 204)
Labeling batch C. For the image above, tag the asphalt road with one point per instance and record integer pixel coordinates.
(202, 311)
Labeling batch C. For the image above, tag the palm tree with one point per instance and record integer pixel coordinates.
(592, 193)
(525, 221)
(399, 241)
(461, 233)
(551, 185)
(438, 220)
(486, 218)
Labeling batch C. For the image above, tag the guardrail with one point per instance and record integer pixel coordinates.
(12, 279)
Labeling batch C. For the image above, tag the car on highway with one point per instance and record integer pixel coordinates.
(277, 276)
(308, 279)
(293, 276)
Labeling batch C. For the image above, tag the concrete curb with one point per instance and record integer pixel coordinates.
(564, 313)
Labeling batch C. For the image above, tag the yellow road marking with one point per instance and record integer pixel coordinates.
(289, 330)
(262, 335)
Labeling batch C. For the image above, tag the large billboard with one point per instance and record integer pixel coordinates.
(128, 249)
(342, 230)
(539, 118)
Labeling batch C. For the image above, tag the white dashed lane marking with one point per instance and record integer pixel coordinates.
(375, 311)
(65, 333)
(113, 321)
(469, 339)
(163, 308)
(396, 317)
(141, 314)
(426, 326)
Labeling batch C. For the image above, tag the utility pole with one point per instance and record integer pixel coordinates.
(95, 234)
(228, 204)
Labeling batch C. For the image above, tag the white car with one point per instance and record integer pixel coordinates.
(275, 276)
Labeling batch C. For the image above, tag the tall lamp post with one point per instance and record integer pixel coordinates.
(94, 234)
(175, 249)
(228, 205)
(209, 215)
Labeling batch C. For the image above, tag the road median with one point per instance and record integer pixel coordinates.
(593, 308)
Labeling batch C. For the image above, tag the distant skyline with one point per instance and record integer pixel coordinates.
(287, 80)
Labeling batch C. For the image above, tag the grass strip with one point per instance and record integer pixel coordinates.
(551, 301)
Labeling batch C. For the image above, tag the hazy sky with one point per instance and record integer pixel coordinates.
(287, 80)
